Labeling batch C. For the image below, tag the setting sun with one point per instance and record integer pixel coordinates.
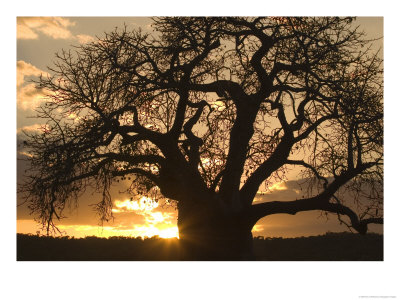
(157, 223)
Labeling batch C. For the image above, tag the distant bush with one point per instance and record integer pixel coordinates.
(330, 247)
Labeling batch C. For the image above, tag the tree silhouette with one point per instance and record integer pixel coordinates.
(205, 111)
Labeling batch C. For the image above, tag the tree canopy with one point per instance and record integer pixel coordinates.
(207, 110)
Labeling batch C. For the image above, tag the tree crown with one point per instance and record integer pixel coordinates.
(209, 109)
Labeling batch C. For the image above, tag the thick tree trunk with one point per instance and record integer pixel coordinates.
(207, 234)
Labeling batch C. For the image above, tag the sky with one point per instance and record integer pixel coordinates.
(260, 280)
(38, 39)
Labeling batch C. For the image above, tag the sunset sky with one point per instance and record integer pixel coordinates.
(38, 39)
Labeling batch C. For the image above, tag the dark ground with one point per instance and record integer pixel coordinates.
(328, 247)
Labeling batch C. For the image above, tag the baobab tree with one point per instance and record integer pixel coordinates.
(205, 112)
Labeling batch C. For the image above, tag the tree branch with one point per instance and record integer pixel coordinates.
(193, 143)
(319, 202)
(273, 163)
(308, 166)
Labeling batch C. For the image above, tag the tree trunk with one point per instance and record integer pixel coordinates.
(207, 234)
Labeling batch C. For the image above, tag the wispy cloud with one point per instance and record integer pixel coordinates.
(84, 38)
(25, 69)
(28, 28)
(145, 207)
(35, 127)
(28, 96)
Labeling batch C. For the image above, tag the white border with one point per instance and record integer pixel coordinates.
(144, 280)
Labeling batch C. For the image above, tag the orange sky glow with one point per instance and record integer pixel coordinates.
(156, 223)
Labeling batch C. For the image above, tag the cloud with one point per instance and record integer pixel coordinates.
(25, 33)
(28, 96)
(285, 191)
(28, 28)
(135, 219)
(32, 128)
(84, 38)
(279, 186)
(144, 207)
(153, 222)
(257, 228)
(25, 69)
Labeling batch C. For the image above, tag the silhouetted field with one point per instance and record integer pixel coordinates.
(328, 247)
